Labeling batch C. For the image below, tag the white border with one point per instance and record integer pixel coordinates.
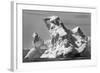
(17, 34)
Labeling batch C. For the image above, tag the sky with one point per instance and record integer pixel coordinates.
(33, 22)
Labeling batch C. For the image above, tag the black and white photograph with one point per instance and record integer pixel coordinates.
(55, 36)
(52, 36)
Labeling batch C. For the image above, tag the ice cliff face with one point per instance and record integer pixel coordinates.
(62, 42)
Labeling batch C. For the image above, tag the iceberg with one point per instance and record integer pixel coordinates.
(62, 42)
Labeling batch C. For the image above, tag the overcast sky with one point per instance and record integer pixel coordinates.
(33, 22)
